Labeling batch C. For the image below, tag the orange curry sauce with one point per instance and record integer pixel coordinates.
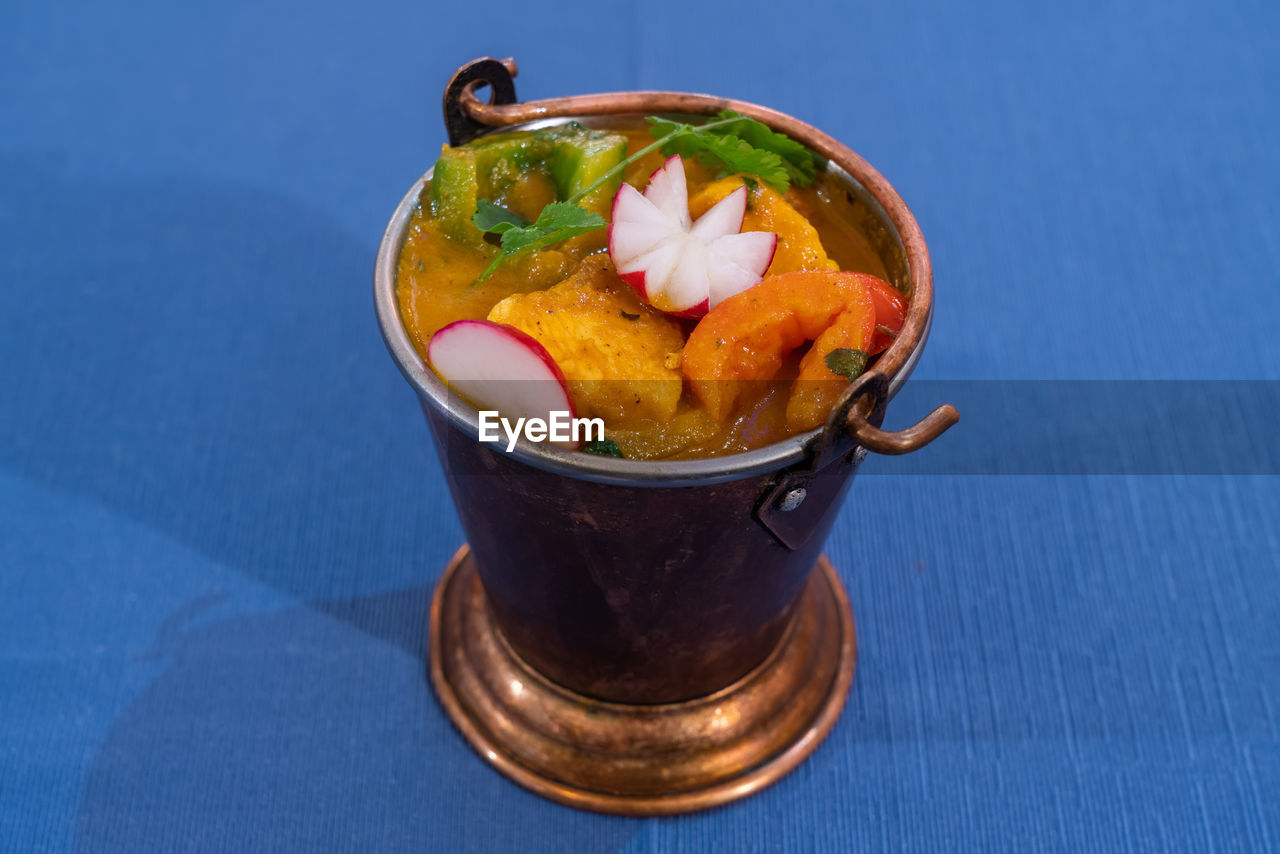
(435, 288)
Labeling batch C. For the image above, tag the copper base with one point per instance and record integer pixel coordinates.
(638, 759)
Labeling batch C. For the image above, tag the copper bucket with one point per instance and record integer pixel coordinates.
(649, 637)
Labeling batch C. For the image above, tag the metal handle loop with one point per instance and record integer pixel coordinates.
(905, 441)
(860, 411)
(460, 96)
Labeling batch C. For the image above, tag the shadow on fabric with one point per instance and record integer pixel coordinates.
(292, 731)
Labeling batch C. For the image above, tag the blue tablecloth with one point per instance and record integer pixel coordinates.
(220, 518)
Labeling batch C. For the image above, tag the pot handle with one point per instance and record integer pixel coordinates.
(861, 410)
(460, 98)
(466, 116)
(858, 414)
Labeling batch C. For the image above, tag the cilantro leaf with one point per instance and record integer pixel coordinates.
(739, 144)
(846, 362)
(558, 221)
(495, 219)
(800, 162)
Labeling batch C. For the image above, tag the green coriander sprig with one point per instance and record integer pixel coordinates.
(558, 221)
(735, 143)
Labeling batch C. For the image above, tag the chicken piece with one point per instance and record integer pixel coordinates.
(799, 247)
(613, 349)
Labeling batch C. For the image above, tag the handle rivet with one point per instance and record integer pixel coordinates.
(792, 499)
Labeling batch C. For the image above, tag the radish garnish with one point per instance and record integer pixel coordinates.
(498, 367)
(669, 191)
(679, 266)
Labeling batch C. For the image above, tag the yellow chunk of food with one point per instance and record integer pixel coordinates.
(799, 247)
(612, 348)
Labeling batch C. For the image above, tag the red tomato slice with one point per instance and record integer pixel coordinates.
(891, 311)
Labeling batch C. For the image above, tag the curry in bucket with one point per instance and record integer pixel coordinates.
(695, 287)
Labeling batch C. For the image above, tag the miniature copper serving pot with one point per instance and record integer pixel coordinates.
(649, 636)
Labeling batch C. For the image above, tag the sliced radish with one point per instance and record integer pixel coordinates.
(724, 218)
(499, 367)
(679, 266)
(669, 191)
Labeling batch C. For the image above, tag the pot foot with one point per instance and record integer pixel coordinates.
(641, 759)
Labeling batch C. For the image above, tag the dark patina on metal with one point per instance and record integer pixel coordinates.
(649, 637)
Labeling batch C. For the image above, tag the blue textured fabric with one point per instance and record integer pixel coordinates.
(220, 519)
